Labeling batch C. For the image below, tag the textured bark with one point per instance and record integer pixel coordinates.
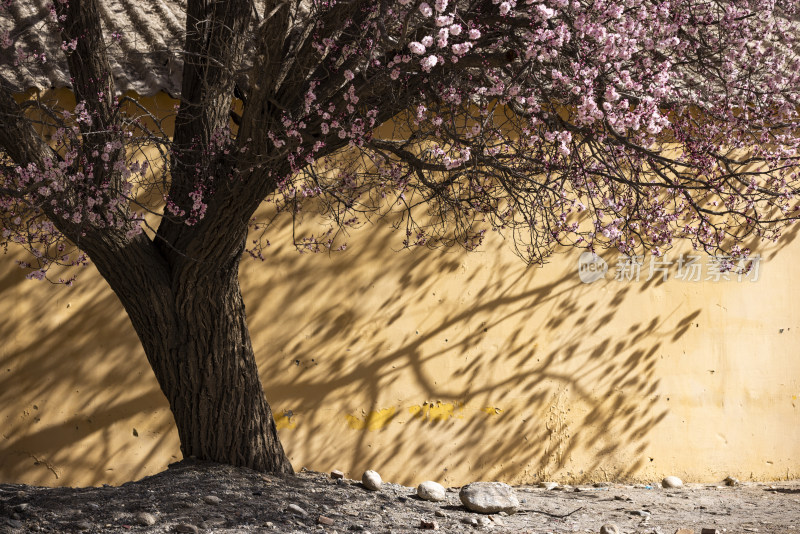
(193, 328)
(17, 136)
(215, 393)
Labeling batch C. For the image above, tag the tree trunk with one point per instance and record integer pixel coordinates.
(215, 392)
(191, 320)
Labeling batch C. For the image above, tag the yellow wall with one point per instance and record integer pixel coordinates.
(439, 365)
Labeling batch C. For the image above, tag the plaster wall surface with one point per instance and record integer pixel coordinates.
(441, 365)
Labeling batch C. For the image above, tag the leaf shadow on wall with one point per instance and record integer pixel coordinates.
(425, 364)
(455, 366)
(78, 401)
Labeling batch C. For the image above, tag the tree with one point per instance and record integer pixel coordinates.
(593, 123)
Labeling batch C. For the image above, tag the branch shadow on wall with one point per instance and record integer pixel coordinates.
(427, 365)
(78, 402)
(424, 365)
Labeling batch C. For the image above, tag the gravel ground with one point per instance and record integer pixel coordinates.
(202, 497)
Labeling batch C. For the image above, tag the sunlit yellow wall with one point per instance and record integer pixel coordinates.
(439, 365)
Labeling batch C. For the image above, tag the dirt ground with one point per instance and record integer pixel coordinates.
(199, 497)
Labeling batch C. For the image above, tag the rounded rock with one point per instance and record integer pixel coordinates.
(371, 480)
(145, 519)
(489, 497)
(609, 528)
(548, 485)
(431, 491)
(672, 482)
(212, 499)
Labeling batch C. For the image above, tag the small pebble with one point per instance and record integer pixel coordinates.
(672, 482)
(731, 481)
(440, 513)
(548, 485)
(336, 474)
(609, 528)
(296, 509)
(323, 520)
(145, 519)
(186, 528)
(431, 491)
(685, 531)
(212, 499)
(93, 506)
(21, 507)
(14, 523)
(83, 525)
(428, 525)
(371, 480)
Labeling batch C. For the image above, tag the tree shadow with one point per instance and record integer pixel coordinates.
(456, 367)
(78, 401)
(422, 364)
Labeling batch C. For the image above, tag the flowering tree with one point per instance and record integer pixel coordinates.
(595, 123)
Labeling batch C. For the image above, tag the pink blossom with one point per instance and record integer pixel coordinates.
(416, 47)
(429, 62)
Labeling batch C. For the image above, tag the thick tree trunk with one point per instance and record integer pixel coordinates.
(214, 391)
(192, 324)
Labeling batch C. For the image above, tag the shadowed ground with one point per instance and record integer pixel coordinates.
(227, 500)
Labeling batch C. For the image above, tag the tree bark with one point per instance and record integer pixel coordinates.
(193, 328)
(215, 391)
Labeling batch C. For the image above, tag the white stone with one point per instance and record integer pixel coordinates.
(548, 485)
(296, 509)
(145, 519)
(431, 491)
(371, 480)
(609, 528)
(489, 497)
(672, 482)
